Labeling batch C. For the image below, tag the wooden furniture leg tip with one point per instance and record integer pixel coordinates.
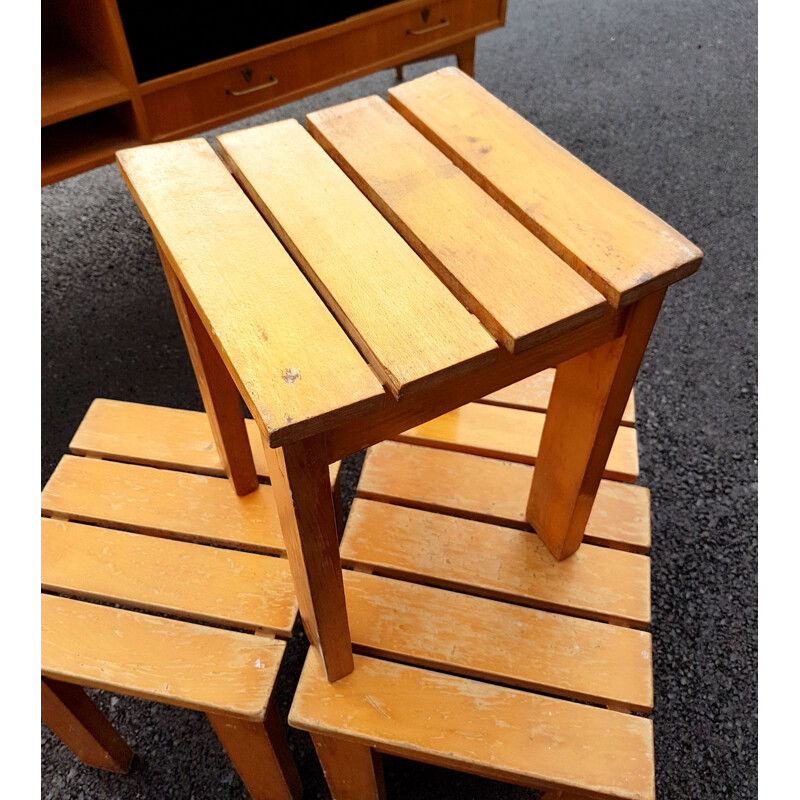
(261, 755)
(71, 715)
(465, 56)
(353, 771)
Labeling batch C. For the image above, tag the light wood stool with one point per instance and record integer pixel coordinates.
(124, 522)
(560, 648)
(357, 282)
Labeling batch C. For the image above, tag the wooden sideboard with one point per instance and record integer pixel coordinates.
(101, 62)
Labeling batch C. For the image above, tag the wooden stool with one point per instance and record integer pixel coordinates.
(426, 520)
(125, 525)
(399, 262)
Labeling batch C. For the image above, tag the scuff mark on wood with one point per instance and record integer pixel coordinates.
(374, 703)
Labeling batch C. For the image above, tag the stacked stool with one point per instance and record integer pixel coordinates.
(127, 520)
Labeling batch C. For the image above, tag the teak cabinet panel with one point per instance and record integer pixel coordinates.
(209, 100)
(217, 92)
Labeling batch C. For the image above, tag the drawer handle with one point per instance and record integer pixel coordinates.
(271, 82)
(443, 24)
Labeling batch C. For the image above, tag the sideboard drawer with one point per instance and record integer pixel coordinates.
(432, 23)
(212, 99)
(286, 72)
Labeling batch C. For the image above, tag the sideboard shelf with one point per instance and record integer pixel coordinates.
(73, 81)
(86, 141)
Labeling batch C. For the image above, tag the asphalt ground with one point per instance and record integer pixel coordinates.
(658, 96)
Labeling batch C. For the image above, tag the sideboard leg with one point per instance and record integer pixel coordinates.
(465, 56)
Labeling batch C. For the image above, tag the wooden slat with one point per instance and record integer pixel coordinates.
(493, 491)
(159, 437)
(500, 642)
(186, 580)
(163, 503)
(180, 663)
(156, 436)
(472, 726)
(533, 394)
(518, 288)
(512, 434)
(412, 331)
(293, 364)
(621, 248)
(496, 562)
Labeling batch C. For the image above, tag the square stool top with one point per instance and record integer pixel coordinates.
(393, 253)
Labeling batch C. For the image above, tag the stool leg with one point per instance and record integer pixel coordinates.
(261, 755)
(353, 771)
(81, 726)
(585, 410)
(219, 392)
(302, 490)
(338, 508)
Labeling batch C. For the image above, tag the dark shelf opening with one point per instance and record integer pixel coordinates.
(170, 37)
(86, 141)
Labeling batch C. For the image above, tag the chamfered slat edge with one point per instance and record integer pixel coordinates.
(295, 367)
(615, 243)
(521, 292)
(408, 326)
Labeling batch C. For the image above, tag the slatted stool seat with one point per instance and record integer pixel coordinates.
(480, 652)
(118, 530)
